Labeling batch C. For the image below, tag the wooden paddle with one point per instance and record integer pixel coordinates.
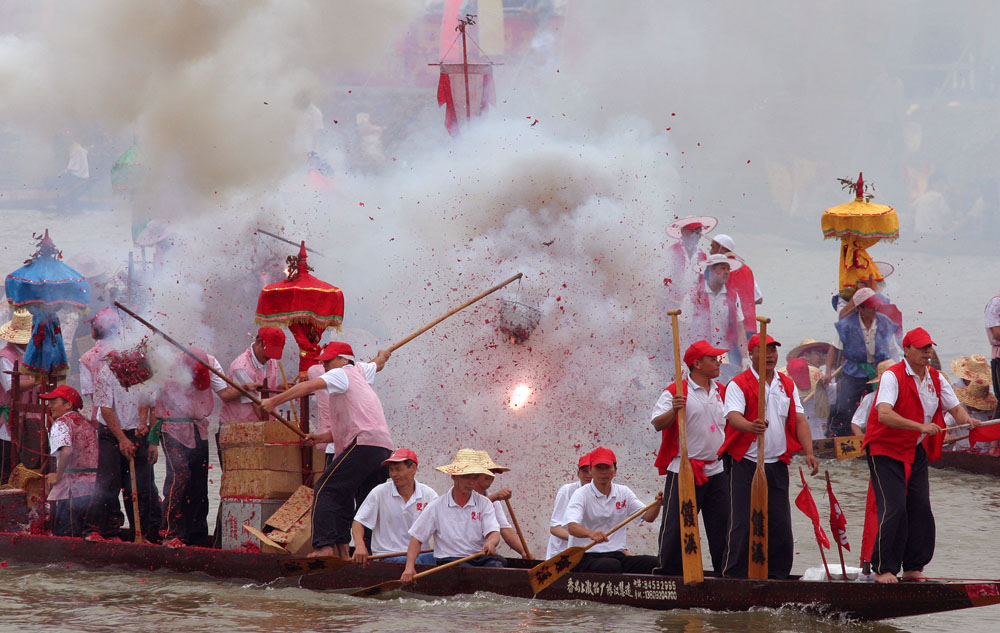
(295, 412)
(547, 572)
(757, 563)
(520, 535)
(301, 565)
(848, 447)
(453, 311)
(263, 538)
(688, 510)
(392, 585)
(135, 502)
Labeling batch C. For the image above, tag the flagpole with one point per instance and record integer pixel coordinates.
(816, 528)
(840, 548)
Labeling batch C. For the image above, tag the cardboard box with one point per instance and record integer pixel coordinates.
(292, 523)
(234, 513)
(260, 459)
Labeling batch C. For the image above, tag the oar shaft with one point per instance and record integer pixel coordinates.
(137, 523)
(966, 426)
(517, 527)
(626, 521)
(447, 565)
(218, 373)
(453, 311)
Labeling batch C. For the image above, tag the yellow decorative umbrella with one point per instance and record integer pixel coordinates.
(859, 225)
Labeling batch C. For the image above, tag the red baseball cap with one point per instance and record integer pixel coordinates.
(401, 455)
(798, 370)
(274, 341)
(584, 461)
(755, 341)
(334, 349)
(917, 337)
(601, 455)
(67, 393)
(700, 349)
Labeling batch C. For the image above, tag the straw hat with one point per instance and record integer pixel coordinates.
(18, 329)
(487, 461)
(976, 395)
(975, 369)
(466, 462)
(807, 345)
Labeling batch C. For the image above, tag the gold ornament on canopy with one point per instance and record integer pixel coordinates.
(859, 225)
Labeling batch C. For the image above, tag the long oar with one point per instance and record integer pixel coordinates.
(453, 311)
(547, 572)
(218, 373)
(295, 412)
(813, 392)
(757, 563)
(391, 585)
(517, 526)
(686, 497)
(135, 502)
(301, 565)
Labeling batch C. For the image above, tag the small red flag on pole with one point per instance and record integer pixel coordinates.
(805, 502)
(838, 525)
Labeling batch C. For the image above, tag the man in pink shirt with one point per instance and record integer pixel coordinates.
(360, 434)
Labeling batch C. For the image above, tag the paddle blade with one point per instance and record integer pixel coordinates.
(300, 566)
(375, 590)
(690, 537)
(848, 447)
(547, 572)
(757, 564)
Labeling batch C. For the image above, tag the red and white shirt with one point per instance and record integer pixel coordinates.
(593, 510)
(390, 517)
(457, 530)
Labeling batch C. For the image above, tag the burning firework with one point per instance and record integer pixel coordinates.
(519, 396)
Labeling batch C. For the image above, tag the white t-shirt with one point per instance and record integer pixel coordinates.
(217, 384)
(705, 419)
(592, 510)
(109, 393)
(775, 411)
(390, 518)
(59, 436)
(993, 320)
(322, 407)
(502, 519)
(888, 392)
(337, 382)
(557, 544)
(456, 530)
(864, 409)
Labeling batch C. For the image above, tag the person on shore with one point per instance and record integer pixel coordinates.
(73, 441)
(741, 282)
(702, 403)
(462, 522)
(390, 510)
(863, 341)
(599, 506)
(507, 531)
(17, 334)
(902, 437)
(360, 434)
(717, 314)
(558, 536)
(785, 431)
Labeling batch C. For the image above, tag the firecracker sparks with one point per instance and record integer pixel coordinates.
(519, 396)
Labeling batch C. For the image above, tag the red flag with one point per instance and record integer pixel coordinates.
(838, 522)
(984, 433)
(805, 503)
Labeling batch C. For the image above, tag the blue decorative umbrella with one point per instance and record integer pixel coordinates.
(45, 285)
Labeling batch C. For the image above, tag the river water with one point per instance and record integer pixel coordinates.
(967, 507)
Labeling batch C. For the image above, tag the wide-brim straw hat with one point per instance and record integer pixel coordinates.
(976, 396)
(973, 368)
(729, 258)
(488, 462)
(708, 223)
(466, 462)
(806, 345)
(18, 329)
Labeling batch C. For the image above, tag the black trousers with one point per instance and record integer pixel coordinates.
(342, 487)
(5, 463)
(70, 516)
(780, 543)
(482, 561)
(906, 531)
(113, 476)
(185, 490)
(850, 391)
(616, 563)
(712, 499)
(995, 370)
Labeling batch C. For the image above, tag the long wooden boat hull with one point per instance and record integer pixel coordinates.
(854, 600)
(975, 463)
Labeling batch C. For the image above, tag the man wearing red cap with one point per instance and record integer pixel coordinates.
(599, 506)
(785, 431)
(390, 509)
(73, 441)
(558, 536)
(702, 402)
(863, 341)
(903, 435)
(360, 434)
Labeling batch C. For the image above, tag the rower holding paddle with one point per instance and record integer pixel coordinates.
(702, 403)
(507, 531)
(462, 522)
(784, 431)
(594, 510)
(558, 536)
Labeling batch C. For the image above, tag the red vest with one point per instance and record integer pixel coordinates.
(668, 436)
(741, 284)
(898, 443)
(737, 442)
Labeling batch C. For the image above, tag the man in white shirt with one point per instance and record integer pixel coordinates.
(390, 510)
(785, 431)
(558, 536)
(716, 314)
(596, 508)
(507, 531)
(705, 420)
(992, 318)
(462, 522)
